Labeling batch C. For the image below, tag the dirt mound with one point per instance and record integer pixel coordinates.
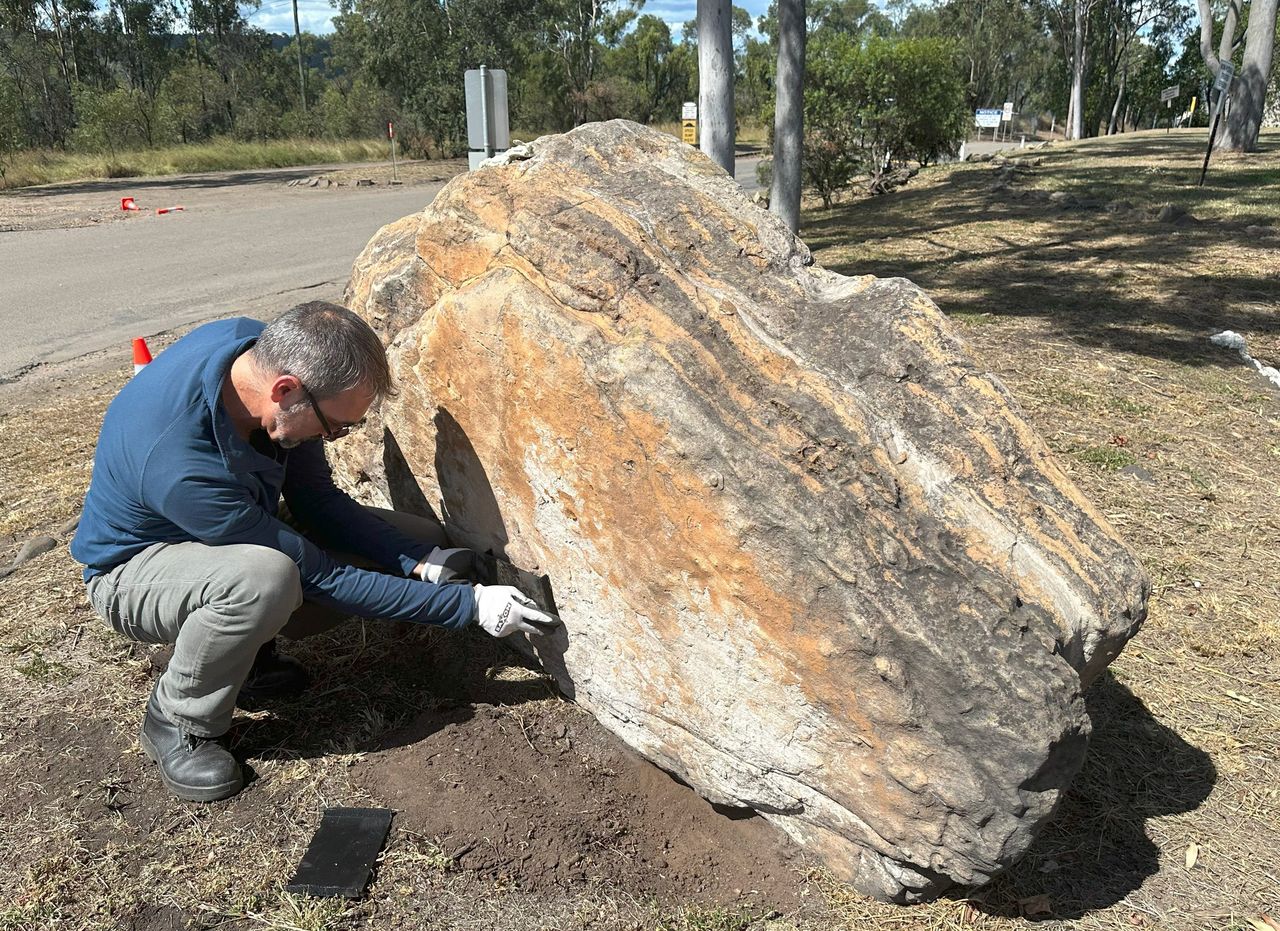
(550, 801)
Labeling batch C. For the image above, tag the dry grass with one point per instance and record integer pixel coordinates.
(50, 167)
(1099, 329)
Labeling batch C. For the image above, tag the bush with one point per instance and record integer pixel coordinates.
(870, 103)
(11, 128)
(110, 120)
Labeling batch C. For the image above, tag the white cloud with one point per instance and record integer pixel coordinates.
(678, 12)
(315, 16)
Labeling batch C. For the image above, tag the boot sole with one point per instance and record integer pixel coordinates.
(190, 793)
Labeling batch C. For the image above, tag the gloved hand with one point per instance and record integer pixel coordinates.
(503, 610)
(443, 565)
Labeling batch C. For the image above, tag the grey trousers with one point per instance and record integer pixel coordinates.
(218, 605)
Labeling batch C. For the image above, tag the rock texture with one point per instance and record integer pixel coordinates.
(810, 558)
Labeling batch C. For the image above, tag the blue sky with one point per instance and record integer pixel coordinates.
(316, 15)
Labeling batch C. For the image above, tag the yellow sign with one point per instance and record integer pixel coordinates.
(1193, 106)
(689, 131)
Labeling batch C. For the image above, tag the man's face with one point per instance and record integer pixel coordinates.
(298, 416)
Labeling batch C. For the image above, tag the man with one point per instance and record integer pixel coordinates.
(183, 542)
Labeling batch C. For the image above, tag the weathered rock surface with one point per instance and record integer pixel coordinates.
(810, 558)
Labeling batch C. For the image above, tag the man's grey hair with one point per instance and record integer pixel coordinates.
(326, 347)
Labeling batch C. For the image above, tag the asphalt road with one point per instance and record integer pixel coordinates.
(246, 243)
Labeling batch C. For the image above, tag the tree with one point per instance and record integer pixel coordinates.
(11, 128)
(1249, 90)
(715, 81)
(656, 72)
(874, 103)
(788, 126)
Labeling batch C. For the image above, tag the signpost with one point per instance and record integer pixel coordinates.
(395, 171)
(689, 122)
(1006, 116)
(488, 131)
(987, 119)
(1167, 97)
(1226, 71)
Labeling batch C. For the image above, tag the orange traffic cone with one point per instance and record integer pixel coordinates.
(141, 355)
(127, 203)
(163, 210)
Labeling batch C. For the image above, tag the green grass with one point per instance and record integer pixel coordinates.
(718, 918)
(42, 670)
(1107, 458)
(50, 167)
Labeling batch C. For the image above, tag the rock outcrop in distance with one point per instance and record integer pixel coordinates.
(811, 559)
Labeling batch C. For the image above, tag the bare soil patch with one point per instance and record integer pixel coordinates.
(548, 802)
(92, 203)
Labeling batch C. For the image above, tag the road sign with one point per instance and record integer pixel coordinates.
(689, 131)
(1169, 93)
(488, 130)
(1226, 72)
(689, 110)
(987, 119)
(1008, 111)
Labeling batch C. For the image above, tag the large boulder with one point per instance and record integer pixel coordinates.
(810, 558)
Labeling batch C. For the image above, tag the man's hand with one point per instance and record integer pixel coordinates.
(502, 610)
(443, 565)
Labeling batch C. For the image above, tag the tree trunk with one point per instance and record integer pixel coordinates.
(1249, 91)
(1075, 128)
(788, 117)
(715, 81)
(1115, 108)
(1214, 62)
(302, 72)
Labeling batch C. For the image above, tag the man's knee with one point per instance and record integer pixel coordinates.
(267, 583)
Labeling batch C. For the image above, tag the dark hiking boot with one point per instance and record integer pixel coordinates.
(273, 676)
(197, 769)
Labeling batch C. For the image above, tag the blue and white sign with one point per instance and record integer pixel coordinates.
(987, 119)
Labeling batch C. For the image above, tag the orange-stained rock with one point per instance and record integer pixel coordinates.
(810, 558)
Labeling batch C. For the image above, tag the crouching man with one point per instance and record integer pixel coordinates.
(183, 540)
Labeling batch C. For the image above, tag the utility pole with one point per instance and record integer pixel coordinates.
(302, 74)
(715, 81)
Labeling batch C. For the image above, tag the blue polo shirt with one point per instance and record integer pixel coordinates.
(170, 468)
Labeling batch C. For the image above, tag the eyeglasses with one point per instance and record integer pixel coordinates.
(330, 434)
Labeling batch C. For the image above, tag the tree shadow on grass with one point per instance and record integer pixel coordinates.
(1083, 277)
(1096, 850)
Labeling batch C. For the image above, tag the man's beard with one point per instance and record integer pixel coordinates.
(283, 420)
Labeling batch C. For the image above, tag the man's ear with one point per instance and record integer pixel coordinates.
(282, 386)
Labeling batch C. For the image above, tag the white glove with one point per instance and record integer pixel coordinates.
(502, 610)
(443, 565)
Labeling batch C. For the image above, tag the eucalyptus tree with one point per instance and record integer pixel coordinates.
(788, 120)
(1249, 90)
(715, 81)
